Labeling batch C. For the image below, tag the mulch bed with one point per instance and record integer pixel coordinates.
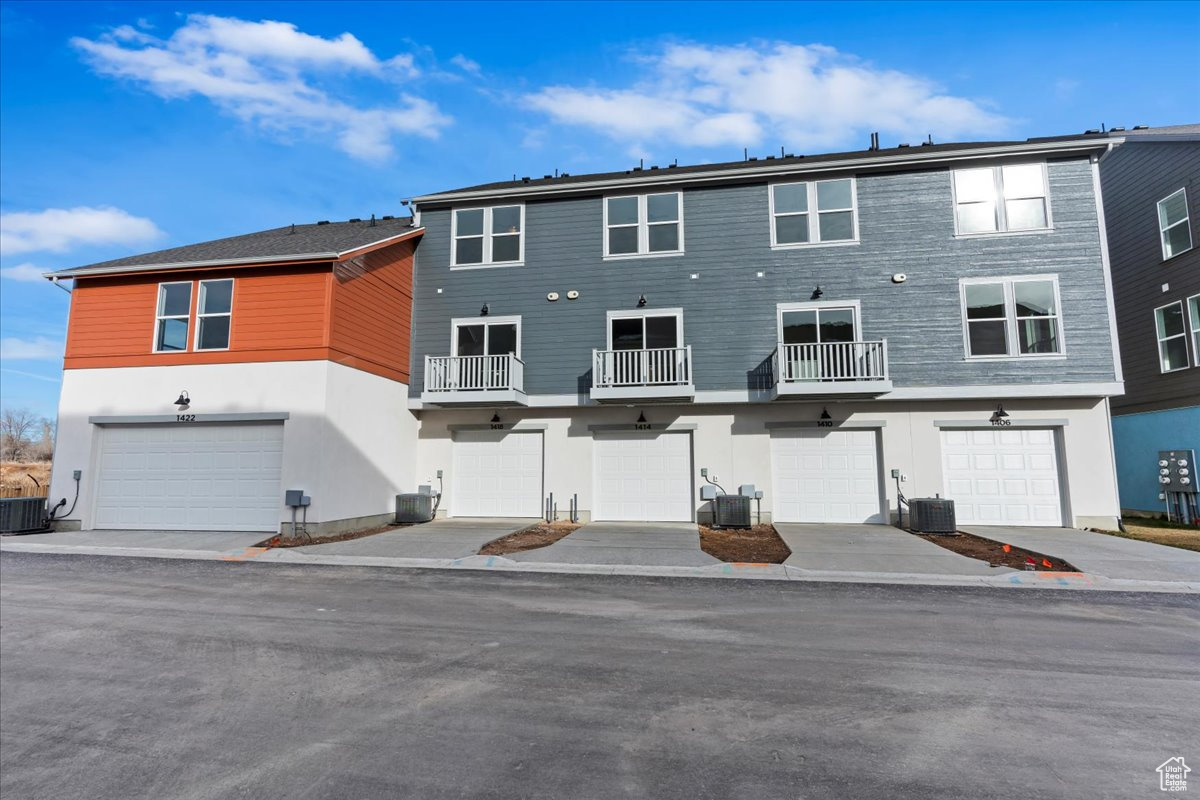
(995, 553)
(758, 545)
(279, 540)
(540, 535)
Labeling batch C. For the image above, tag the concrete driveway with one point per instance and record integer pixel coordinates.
(206, 541)
(442, 538)
(659, 544)
(1101, 554)
(873, 548)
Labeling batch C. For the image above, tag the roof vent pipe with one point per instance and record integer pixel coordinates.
(874, 141)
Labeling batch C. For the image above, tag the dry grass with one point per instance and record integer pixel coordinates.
(15, 478)
(1184, 538)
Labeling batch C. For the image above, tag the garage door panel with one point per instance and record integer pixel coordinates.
(999, 477)
(643, 476)
(825, 476)
(198, 477)
(497, 474)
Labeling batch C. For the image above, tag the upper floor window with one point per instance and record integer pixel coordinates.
(213, 314)
(817, 323)
(644, 224)
(1172, 337)
(1011, 317)
(172, 317)
(487, 236)
(1000, 199)
(497, 336)
(1194, 317)
(814, 212)
(1173, 225)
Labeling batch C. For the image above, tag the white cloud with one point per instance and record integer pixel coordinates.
(801, 96)
(28, 273)
(57, 230)
(39, 348)
(45, 378)
(466, 65)
(267, 73)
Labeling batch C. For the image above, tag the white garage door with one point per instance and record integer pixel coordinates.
(497, 474)
(1002, 477)
(826, 476)
(190, 476)
(644, 477)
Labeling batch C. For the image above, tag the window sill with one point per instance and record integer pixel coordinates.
(633, 256)
(1180, 253)
(1047, 357)
(810, 245)
(493, 265)
(1171, 371)
(1003, 234)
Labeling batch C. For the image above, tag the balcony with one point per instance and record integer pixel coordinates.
(663, 373)
(474, 380)
(830, 368)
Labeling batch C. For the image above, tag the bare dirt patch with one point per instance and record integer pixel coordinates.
(758, 545)
(998, 554)
(279, 540)
(541, 535)
(1181, 537)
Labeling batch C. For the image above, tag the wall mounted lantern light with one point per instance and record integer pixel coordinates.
(183, 401)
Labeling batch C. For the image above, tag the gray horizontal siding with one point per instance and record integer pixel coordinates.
(1135, 177)
(906, 225)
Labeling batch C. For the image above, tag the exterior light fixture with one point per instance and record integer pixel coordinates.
(825, 414)
(1000, 413)
(816, 295)
(183, 401)
(495, 418)
(641, 301)
(483, 312)
(642, 417)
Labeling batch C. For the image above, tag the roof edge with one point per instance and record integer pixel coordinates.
(762, 170)
(78, 272)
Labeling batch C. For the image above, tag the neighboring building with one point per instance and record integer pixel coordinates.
(805, 324)
(293, 345)
(1151, 181)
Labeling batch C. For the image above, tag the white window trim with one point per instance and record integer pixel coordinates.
(1193, 327)
(997, 179)
(643, 226)
(814, 223)
(1011, 335)
(641, 313)
(458, 322)
(200, 315)
(1186, 222)
(159, 316)
(854, 305)
(487, 236)
(1185, 336)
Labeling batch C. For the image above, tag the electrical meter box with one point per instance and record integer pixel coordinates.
(1177, 471)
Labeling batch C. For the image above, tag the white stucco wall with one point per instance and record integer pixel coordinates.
(734, 444)
(347, 441)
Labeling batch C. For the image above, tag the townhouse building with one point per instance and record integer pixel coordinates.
(834, 330)
(1151, 182)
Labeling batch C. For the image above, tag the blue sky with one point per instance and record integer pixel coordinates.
(128, 127)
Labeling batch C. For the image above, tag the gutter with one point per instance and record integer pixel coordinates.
(228, 262)
(665, 177)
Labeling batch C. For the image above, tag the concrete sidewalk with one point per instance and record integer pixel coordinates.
(659, 544)
(442, 538)
(873, 548)
(1101, 554)
(203, 541)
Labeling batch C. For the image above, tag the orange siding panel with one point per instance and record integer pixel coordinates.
(371, 311)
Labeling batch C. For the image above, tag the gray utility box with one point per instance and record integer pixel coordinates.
(731, 511)
(414, 508)
(22, 514)
(931, 515)
(1177, 470)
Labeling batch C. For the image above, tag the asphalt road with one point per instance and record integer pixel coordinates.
(136, 678)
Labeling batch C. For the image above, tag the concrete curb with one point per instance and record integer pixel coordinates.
(777, 572)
